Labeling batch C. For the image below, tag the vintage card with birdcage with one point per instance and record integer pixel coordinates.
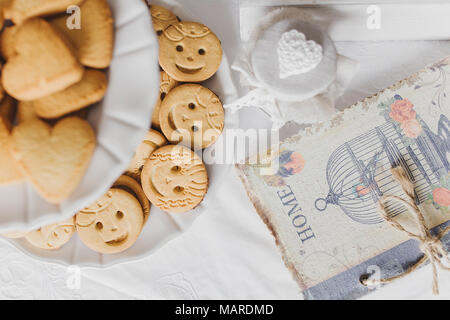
(320, 194)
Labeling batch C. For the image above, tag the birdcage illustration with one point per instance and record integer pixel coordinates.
(358, 172)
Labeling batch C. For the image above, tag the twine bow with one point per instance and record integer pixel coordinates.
(431, 246)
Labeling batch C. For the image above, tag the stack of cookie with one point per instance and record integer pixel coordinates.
(54, 69)
(189, 115)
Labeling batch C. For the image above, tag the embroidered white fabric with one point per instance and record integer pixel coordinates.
(317, 109)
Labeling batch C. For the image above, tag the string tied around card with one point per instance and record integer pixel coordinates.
(432, 247)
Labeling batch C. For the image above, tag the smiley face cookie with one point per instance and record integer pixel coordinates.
(167, 84)
(193, 115)
(152, 141)
(54, 236)
(162, 18)
(174, 179)
(112, 224)
(189, 52)
(130, 185)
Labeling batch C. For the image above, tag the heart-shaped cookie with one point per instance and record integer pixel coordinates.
(166, 84)
(112, 224)
(89, 90)
(25, 111)
(42, 65)
(7, 42)
(54, 159)
(296, 55)
(153, 140)
(94, 41)
(130, 185)
(4, 7)
(20, 10)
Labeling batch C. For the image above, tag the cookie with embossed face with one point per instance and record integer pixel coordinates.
(192, 115)
(162, 18)
(7, 41)
(174, 179)
(14, 235)
(189, 52)
(26, 111)
(167, 84)
(152, 141)
(112, 224)
(54, 236)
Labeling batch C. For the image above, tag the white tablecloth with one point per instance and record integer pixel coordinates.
(228, 253)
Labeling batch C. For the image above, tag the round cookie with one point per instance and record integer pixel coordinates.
(152, 141)
(162, 18)
(132, 186)
(54, 236)
(112, 224)
(167, 84)
(189, 52)
(192, 115)
(174, 179)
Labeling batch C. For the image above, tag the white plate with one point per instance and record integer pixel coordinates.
(161, 227)
(120, 121)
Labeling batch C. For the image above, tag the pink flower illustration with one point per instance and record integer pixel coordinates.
(402, 110)
(296, 163)
(411, 128)
(442, 196)
(362, 190)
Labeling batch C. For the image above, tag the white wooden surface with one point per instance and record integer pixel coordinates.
(360, 22)
(329, 2)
